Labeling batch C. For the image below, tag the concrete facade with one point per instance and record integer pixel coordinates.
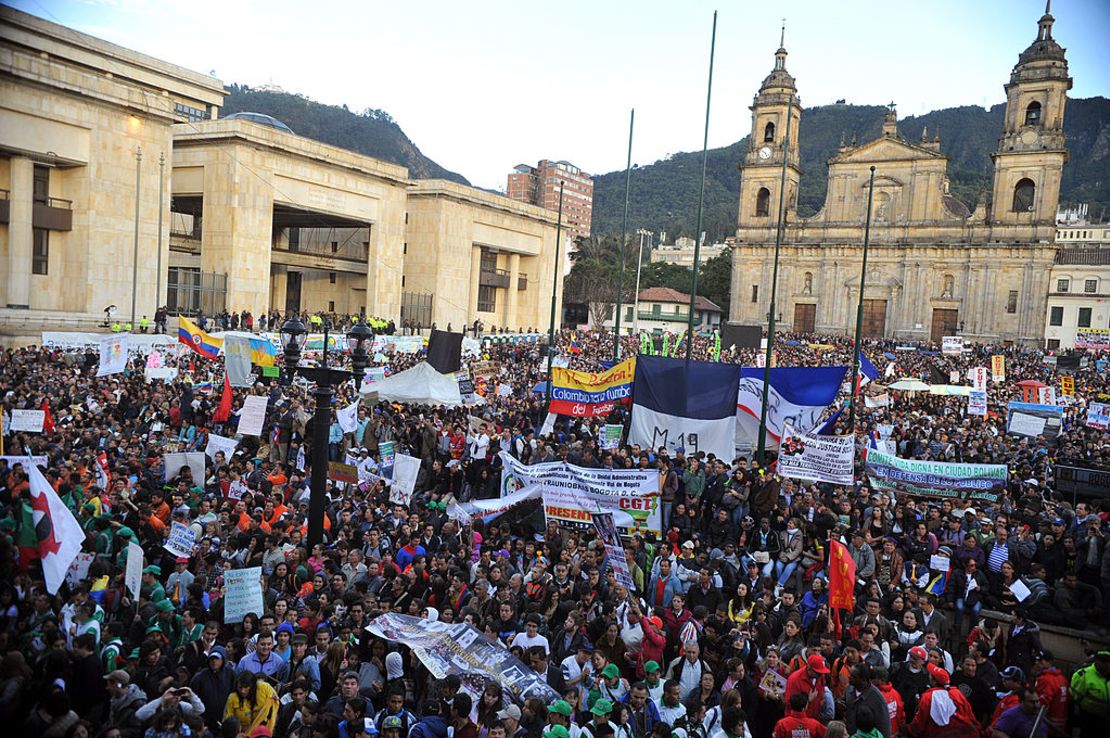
(1079, 295)
(934, 268)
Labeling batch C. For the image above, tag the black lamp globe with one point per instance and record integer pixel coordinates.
(293, 338)
(359, 339)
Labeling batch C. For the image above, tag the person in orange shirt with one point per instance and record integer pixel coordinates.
(158, 506)
(278, 478)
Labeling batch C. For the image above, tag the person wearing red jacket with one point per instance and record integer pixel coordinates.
(1013, 680)
(880, 677)
(651, 647)
(809, 681)
(797, 724)
(943, 711)
(1052, 688)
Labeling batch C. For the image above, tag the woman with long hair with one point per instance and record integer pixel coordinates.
(333, 664)
(741, 604)
(488, 706)
(253, 703)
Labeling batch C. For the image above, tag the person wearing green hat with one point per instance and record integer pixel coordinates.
(599, 716)
(654, 681)
(167, 620)
(559, 715)
(556, 731)
(611, 685)
(151, 584)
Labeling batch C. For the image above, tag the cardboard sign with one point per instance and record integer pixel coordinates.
(243, 593)
(28, 421)
(182, 540)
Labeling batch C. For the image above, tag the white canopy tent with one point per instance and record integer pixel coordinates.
(420, 385)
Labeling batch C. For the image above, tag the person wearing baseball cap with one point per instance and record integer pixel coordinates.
(809, 681)
(611, 685)
(910, 679)
(1013, 681)
(943, 711)
(599, 717)
(1052, 686)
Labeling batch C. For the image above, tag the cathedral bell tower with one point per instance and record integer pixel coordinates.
(761, 170)
(1031, 152)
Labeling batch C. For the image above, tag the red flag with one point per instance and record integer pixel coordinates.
(842, 576)
(47, 418)
(223, 412)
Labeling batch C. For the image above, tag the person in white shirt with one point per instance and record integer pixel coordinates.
(671, 708)
(531, 637)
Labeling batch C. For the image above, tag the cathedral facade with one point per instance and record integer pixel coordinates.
(934, 268)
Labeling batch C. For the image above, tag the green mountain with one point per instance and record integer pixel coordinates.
(664, 195)
(371, 132)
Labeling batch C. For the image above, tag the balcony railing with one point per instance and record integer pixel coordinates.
(52, 213)
(494, 278)
(5, 206)
(663, 316)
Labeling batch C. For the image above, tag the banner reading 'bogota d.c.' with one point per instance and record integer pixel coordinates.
(937, 478)
(588, 395)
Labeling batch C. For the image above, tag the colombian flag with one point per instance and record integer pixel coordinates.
(192, 336)
(589, 395)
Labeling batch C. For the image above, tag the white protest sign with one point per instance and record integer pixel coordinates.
(937, 562)
(1098, 416)
(1023, 424)
(28, 421)
(79, 568)
(548, 424)
(113, 355)
(220, 443)
(236, 490)
(242, 594)
(405, 469)
(253, 415)
(162, 373)
(952, 345)
(347, 417)
(1019, 590)
(814, 457)
(133, 575)
(194, 460)
(978, 376)
(977, 403)
(1046, 395)
(182, 540)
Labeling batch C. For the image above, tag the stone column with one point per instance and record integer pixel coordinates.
(20, 232)
(511, 298)
(475, 271)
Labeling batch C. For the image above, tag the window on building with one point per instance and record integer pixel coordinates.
(1090, 285)
(488, 261)
(1053, 344)
(628, 314)
(762, 202)
(335, 247)
(40, 254)
(1033, 114)
(40, 185)
(1024, 191)
(331, 277)
(656, 310)
(487, 299)
(1062, 285)
(294, 238)
(769, 133)
(755, 293)
(1084, 318)
(1056, 315)
(331, 306)
(1011, 302)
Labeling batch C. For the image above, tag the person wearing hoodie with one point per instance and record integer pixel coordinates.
(943, 711)
(213, 685)
(125, 700)
(433, 725)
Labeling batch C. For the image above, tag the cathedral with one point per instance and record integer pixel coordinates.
(934, 268)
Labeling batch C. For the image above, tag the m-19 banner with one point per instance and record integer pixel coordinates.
(588, 394)
(936, 478)
(572, 494)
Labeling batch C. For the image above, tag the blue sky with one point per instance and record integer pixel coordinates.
(482, 86)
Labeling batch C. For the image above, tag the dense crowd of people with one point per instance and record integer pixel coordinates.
(726, 632)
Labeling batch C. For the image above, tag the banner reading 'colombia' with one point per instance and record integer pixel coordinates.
(937, 478)
(588, 395)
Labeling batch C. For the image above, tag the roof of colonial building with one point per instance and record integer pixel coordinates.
(666, 294)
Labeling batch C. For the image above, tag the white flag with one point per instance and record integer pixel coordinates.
(348, 417)
(64, 536)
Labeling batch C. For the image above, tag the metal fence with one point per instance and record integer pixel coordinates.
(416, 308)
(189, 290)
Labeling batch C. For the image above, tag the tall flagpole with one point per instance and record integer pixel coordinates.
(701, 195)
(557, 271)
(762, 453)
(624, 238)
(859, 314)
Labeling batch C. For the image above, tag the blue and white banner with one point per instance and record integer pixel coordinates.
(799, 396)
(688, 405)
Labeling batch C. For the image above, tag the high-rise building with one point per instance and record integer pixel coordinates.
(539, 185)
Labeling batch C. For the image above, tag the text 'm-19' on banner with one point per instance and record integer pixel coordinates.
(809, 456)
(685, 404)
(589, 394)
(936, 478)
(799, 396)
(572, 494)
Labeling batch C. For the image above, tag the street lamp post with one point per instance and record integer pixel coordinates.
(859, 314)
(358, 339)
(557, 271)
(135, 249)
(294, 334)
(161, 202)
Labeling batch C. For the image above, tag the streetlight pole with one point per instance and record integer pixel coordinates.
(161, 202)
(624, 237)
(762, 452)
(859, 315)
(554, 287)
(701, 199)
(135, 250)
(636, 302)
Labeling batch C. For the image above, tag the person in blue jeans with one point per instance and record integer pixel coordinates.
(790, 552)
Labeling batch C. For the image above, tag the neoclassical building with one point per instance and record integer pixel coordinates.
(934, 267)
